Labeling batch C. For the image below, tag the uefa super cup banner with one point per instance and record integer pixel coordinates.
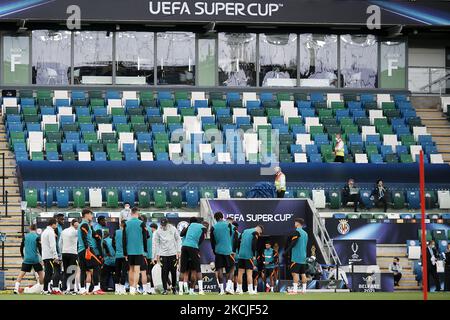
(276, 216)
(357, 252)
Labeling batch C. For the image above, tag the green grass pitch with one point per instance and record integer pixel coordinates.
(259, 297)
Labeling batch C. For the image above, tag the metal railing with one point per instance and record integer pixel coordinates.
(428, 80)
(323, 239)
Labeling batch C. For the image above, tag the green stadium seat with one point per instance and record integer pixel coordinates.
(37, 156)
(79, 198)
(352, 216)
(115, 156)
(379, 216)
(428, 235)
(181, 95)
(112, 198)
(398, 199)
(207, 193)
(366, 216)
(439, 234)
(406, 158)
(159, 195)
(73, 215)
(31, 197)
(175, 198)
(335, 199)
(158, 215)
(144, 198)
(304, 193)
(68, 156)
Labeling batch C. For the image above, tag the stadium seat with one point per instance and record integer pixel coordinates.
(112, 198)
(318, 197)
(303, 193)
(206, 193)
(144, 199)
(128, 196)
(398, 199)
(444, 199)
(335, 199)
(175, 198)
(339, 215)
(352, 216)
(79, 198)
(95, 198)
(413, 199)
(439, 234)
(365, 199)
(62, 198)
(192, 198)
(46, 196)
(160, 197)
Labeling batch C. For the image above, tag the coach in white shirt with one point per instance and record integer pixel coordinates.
(50, 257)
(68, 242)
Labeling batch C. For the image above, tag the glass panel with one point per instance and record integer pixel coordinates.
(51, 57)
(359, 60)
(417, 79)
(16, 60)
(237, 59)
(176, 58)
(318, 60)
(278, 59)
(207, 62)
(393, 65)
(93, 57)
(134, 57)
(436, 74)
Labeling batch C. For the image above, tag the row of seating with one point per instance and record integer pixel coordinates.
(97, 197)
(390, 216)
(145, 137)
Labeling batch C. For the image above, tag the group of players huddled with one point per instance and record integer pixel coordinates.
(82, 258)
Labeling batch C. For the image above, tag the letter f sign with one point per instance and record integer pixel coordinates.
(15, 60)
(392, 65)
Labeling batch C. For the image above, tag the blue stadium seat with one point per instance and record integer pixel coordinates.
(128, 147)
(129, 196)
(442, 245)
(339, 215)
(62, 198)
(200, 104)
(20, 147)
(172, 215)
(112, 94)
(356, 113)
(367, 97)
(266, 96)
(162, 156)
(62, 102)
(251, 104)
(81, 147)
(413, 199)
(376, 158)
(101, 214)
(298, 129)
(21, 156)
(365, 199)
(315, 157)
(164, 95)
(131, 156)
(66, 147)
(52, 155)
(354, 105)
(402, 150)
(406, 216)
(311, 149)
(317, 97)
(192, 198)
(373, 139)
(446, 216)
(46, 197)
(131, 103)
(307, 112)
(99, 156)
(232, 96)
(223, 112)
(47, 111)
(303, 104)
(296, 148)
(78, 95)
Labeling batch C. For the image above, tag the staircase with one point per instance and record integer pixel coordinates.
(429, 110)
(11, 225)
(385, 256)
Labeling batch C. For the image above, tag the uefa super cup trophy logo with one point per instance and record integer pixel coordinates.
(355, 248)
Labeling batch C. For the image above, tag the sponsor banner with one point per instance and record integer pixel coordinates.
(210, 282)
(389, 232)
(357, 252)
(371, 282)
(276, 216)
(257, 11)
